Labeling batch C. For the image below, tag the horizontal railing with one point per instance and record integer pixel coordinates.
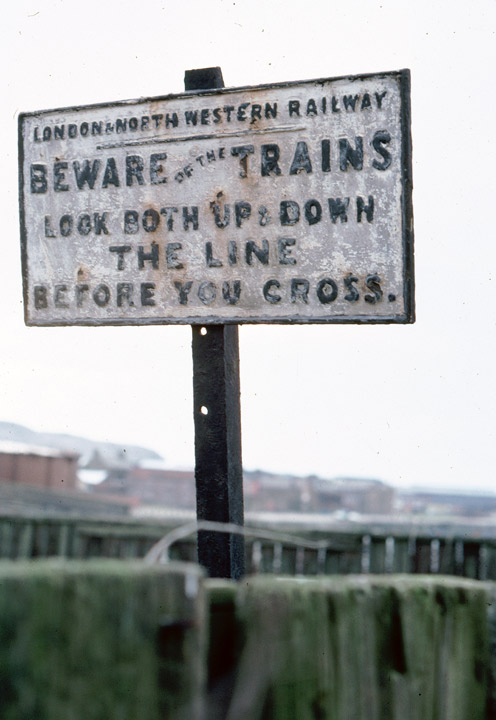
(324, 551)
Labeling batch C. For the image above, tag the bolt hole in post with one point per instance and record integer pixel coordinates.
(204, 410)
(203, 331)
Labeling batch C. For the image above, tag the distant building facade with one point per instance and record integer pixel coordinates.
(38, 466)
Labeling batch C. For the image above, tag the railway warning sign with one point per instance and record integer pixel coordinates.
(285, 203)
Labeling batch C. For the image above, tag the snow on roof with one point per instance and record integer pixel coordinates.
(17, 448)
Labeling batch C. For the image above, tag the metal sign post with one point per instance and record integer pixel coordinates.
(217, 414)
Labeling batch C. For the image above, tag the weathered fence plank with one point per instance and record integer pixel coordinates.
(104, 639)
(358, 648)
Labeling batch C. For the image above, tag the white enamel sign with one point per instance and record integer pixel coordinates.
(281, 203)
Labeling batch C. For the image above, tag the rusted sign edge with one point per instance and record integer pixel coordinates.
(407, 317)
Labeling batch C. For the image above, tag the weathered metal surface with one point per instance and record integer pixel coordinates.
(278, 203)
(217, 416)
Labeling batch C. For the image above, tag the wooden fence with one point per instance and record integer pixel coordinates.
(412, 550)
(121, 640)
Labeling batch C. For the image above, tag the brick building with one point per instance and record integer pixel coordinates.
(38, 466)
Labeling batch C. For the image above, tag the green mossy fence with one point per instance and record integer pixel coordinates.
(106, 640)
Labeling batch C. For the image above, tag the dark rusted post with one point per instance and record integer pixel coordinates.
(217, 414)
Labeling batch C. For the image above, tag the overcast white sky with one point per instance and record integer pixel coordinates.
(410, 404)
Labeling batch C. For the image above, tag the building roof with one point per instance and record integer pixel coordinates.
(18, 448)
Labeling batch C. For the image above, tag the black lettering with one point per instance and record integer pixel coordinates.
(147, 292)
(100, 223)
(134, 169)
(101, 295)
(65, 225)
(157, 119)
(191, 117)
(347, 154)
(216, 208)
(349, 282)
(242, 211)
(183, 291)
(263, 216)
(270, 157)
(381, 138)
(131, 225)
(156, 168)
(86, 175)
(326, 155)
(365, 102)
(47, 133)
(301, 159)
(289, 212)
(59, 176)
(299, 290)
(173, 262)
(190, 217)
(81, 290)
(271, 297)
(241, 114)
(313, 212)
(110, 176)
(40, 297)
(207, 292)
(283, 253)
(209, 256)
(125, 294)
(373, 283)
(242, 151)
(231, 296)
(49, 231)
(121, 125)
(335, 105)
(120, 251)
(228, 110)
(84, 224)
(294, 108)
(379, 97)
(350, 101)
(170, 120)
(151, 256)
(204, 116)
(39, 182)
(256, 113)
(232, 252)
(338, 209)
(58, 132)
(327, 291)
(270, 110)
(311, 107)
(150, 220)
(262, 254)
(169, 214)
(363, 208)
